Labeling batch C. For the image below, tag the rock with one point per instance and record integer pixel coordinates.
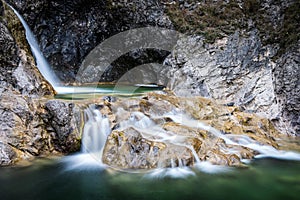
(17, 64)
(248, 60)
(20, 134)
(7, 154)
(232, 55)
(68, 30)
(233, 69)
(22, 128)
(287, 89)
(163, 130)
(129, 150)
(236, 70)
(62, 121)
(234, 61)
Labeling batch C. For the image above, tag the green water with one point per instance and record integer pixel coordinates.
(94, 91)
(49, 179)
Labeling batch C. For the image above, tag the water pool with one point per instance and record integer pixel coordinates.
(51, 179)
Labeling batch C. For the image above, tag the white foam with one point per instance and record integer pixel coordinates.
(83, 161)
(95, 131)
(209, 168)
(176, 172)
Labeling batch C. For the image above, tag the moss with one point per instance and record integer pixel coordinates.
(213, 19)
(289, 32)
(285, 34)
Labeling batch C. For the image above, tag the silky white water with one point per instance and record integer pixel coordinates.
(232, 139)
(95, 131)
(97, 128)
(41, 61)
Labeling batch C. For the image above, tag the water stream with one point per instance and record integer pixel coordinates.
(85, 176)
(97, 129)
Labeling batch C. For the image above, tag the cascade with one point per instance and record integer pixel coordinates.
(97, 127)
(95, 132)
(232, 139)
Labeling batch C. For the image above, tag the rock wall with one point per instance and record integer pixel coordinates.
(243, 53)
(235, 70)
(68, 30)
(23, 125)
(236, 50)
(286, 81)
(255, 67)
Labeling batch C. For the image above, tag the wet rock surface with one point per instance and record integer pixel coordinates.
(245, 68)
(163, 130)
(62, 122)
(237, 52)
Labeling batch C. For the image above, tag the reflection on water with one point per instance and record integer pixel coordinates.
(50, 179)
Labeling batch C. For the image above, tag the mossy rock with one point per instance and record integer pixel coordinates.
(215, 19)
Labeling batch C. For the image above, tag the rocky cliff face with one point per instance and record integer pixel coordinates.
(236, 50)
(242, 53)
(239, 70)
(68, 30)
(250, 62)
(286, 81)
(23, 130)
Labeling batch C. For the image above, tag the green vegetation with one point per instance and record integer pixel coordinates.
(215, 19)
(289, 32)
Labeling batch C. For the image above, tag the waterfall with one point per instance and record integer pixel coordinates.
(95, 131)
(97, 128)
(41, 61)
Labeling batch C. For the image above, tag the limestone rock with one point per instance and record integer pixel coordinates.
(287, 89)
(129, 150)
(163, 130)
(238, 70)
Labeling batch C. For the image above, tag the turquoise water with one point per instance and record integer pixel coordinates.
(50, 179)
(90, 91)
